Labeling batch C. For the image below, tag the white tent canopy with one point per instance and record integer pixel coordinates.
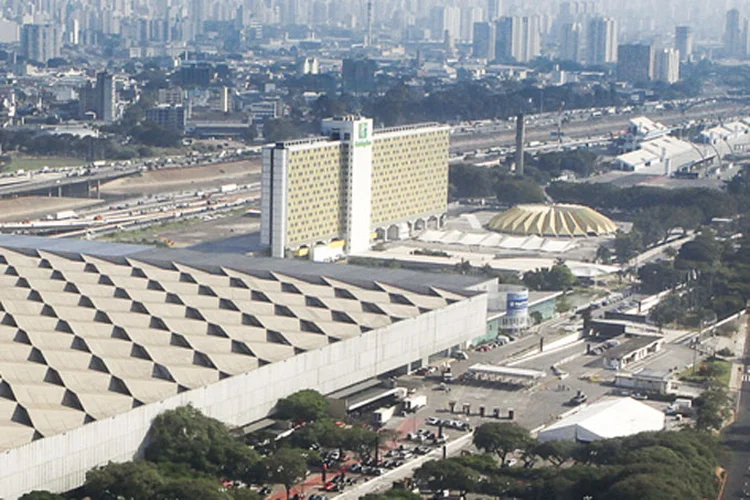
(605, 419)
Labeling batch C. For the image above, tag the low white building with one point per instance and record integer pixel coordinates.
(663, 156)
(606, 419)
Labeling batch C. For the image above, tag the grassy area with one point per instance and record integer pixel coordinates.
(154, 234)
(150, 235)
(711, 368)
(36, 163)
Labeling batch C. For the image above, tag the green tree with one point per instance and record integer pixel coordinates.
(446, 475)
(41, 495)
(603, 254)
(244, 494)
(500, 438)
(186, 436)
(560, 277)
(302, 406)
(129, 480)
(193, 489)
(669, 310)
(536, 317)
(650, 486)
(658, 276)
(469, 181)
(712, 408)
(627, 246)
(555, 452)
(361, 440)
(515, 190)
(288, 466)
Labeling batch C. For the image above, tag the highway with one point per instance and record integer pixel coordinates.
(490, 136)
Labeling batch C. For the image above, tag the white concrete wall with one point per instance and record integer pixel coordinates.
(59, 463)
(265, 196)
(279, 203)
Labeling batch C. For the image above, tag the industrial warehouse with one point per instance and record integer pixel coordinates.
(98, 339)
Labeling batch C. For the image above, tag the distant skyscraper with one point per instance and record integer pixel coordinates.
(518, 38)
(197, 16)
(358, 75)
(683, 42)
(40, 42)
(635, 63)
(667, 65)
(444, 19)
(494, 9)
(485, 38)
(532, 37)
(106, 97)
(733, 35)
(570, 42)
(601, 41)
(469, 16)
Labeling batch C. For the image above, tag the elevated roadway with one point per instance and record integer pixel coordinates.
(76, 187)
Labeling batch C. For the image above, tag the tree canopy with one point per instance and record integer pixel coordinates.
(558, 277)
(500, 438)
(287, 466)
(186, 436)
(661, 465)
(302, 406)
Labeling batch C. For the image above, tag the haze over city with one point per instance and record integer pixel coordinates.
(379, 249)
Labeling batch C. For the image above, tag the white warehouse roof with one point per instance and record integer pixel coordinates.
(605, 419)
(662, 148)
(84, 338)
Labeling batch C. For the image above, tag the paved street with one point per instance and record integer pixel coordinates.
(737, 438)
(587, 128)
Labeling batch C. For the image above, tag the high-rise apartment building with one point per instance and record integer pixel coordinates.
(358, 75)
(106, 97)
(518, 38)
(571, 38)
(733, 35)
(483, 46)
(40, 42)
(683, 42)
(601, 41)
(494, 9)
(352, 183)
(532, 37)
(444, 19)
(99, 99)
(469, 16)
(667, 65)
(635, 63)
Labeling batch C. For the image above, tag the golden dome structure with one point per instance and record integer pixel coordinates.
(552, 221)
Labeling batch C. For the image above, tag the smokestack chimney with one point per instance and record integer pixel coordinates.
(520, 142)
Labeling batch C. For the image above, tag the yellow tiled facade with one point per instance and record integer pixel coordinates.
(315, 202)
(409, 180)
(409, 175)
